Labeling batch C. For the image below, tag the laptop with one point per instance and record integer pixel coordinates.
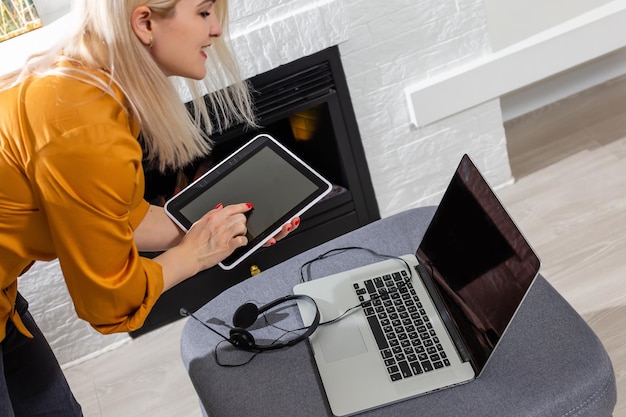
(425, 321)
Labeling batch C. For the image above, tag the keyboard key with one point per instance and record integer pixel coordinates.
(396, 377)
(405, 369)
(417, 369)
(403, 332)
(378, 333)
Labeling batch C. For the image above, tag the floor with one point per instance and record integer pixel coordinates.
(569, 160)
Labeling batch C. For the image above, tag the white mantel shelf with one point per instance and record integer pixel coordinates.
(580, 40)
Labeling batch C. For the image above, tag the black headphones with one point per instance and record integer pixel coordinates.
(247, 314)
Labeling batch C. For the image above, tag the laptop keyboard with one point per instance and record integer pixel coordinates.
(403, 331)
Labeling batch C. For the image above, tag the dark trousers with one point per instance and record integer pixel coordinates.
(31, 380)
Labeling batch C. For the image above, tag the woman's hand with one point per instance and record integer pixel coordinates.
(217, 234)
(209, 240)
(287, 228)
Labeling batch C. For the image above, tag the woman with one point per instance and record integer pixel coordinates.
(72, 179)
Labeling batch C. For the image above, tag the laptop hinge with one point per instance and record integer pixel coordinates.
(449, 323)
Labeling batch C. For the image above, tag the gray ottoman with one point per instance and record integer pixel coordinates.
(549, 363)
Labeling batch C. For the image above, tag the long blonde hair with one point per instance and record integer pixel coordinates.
(103, 40)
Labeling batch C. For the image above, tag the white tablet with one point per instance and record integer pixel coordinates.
(262, 172)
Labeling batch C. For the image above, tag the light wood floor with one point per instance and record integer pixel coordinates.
(569, 199)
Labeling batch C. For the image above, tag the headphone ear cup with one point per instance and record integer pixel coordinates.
(241, 338)
(245, 315)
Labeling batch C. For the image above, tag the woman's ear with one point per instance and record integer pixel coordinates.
(141, 23)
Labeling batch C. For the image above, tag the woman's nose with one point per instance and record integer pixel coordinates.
(216, 28)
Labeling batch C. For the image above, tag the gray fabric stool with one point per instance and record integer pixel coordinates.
(549, 363)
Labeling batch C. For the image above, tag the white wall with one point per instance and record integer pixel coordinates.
(511, 21)
(593, 38)
(15, 51)
(51, 10)
(393, 46)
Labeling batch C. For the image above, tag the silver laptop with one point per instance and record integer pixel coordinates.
(426, 321)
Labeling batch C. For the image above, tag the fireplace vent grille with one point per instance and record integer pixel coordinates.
(289, 91)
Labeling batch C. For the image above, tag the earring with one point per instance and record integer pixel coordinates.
(151, 44)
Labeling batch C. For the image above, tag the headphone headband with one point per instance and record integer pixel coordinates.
(248, 313)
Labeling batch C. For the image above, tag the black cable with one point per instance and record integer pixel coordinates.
(326, 254)
(336, 251)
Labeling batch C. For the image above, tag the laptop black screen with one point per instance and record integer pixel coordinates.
(480, 262)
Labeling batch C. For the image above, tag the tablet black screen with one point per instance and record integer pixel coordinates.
(266, 180)
(262, 173)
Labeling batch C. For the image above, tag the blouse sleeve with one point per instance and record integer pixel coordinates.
(90, 185)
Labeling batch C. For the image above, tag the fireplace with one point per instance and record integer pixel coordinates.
(306, 106)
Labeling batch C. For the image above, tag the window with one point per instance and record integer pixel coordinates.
(18, 17)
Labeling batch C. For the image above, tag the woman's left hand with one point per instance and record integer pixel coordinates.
(287, 228)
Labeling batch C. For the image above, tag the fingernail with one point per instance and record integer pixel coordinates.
(289, 227)
(297, 222)
(219, 206)
(250, 206)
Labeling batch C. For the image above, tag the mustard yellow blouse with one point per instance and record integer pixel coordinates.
(71, 187)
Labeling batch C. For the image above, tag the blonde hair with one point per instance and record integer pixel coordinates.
(103, 40)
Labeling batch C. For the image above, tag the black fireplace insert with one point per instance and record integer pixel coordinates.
(306, 106)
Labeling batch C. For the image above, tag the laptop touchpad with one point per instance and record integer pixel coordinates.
(342, 340)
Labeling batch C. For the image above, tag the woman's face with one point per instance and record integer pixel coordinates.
(179, 41)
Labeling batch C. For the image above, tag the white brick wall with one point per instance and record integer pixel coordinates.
(398, 43)
(385, 47)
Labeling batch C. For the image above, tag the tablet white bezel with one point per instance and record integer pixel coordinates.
(204, 183)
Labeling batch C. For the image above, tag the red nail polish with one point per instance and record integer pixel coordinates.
(250, 206)
(219, 206)
(297, 222)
